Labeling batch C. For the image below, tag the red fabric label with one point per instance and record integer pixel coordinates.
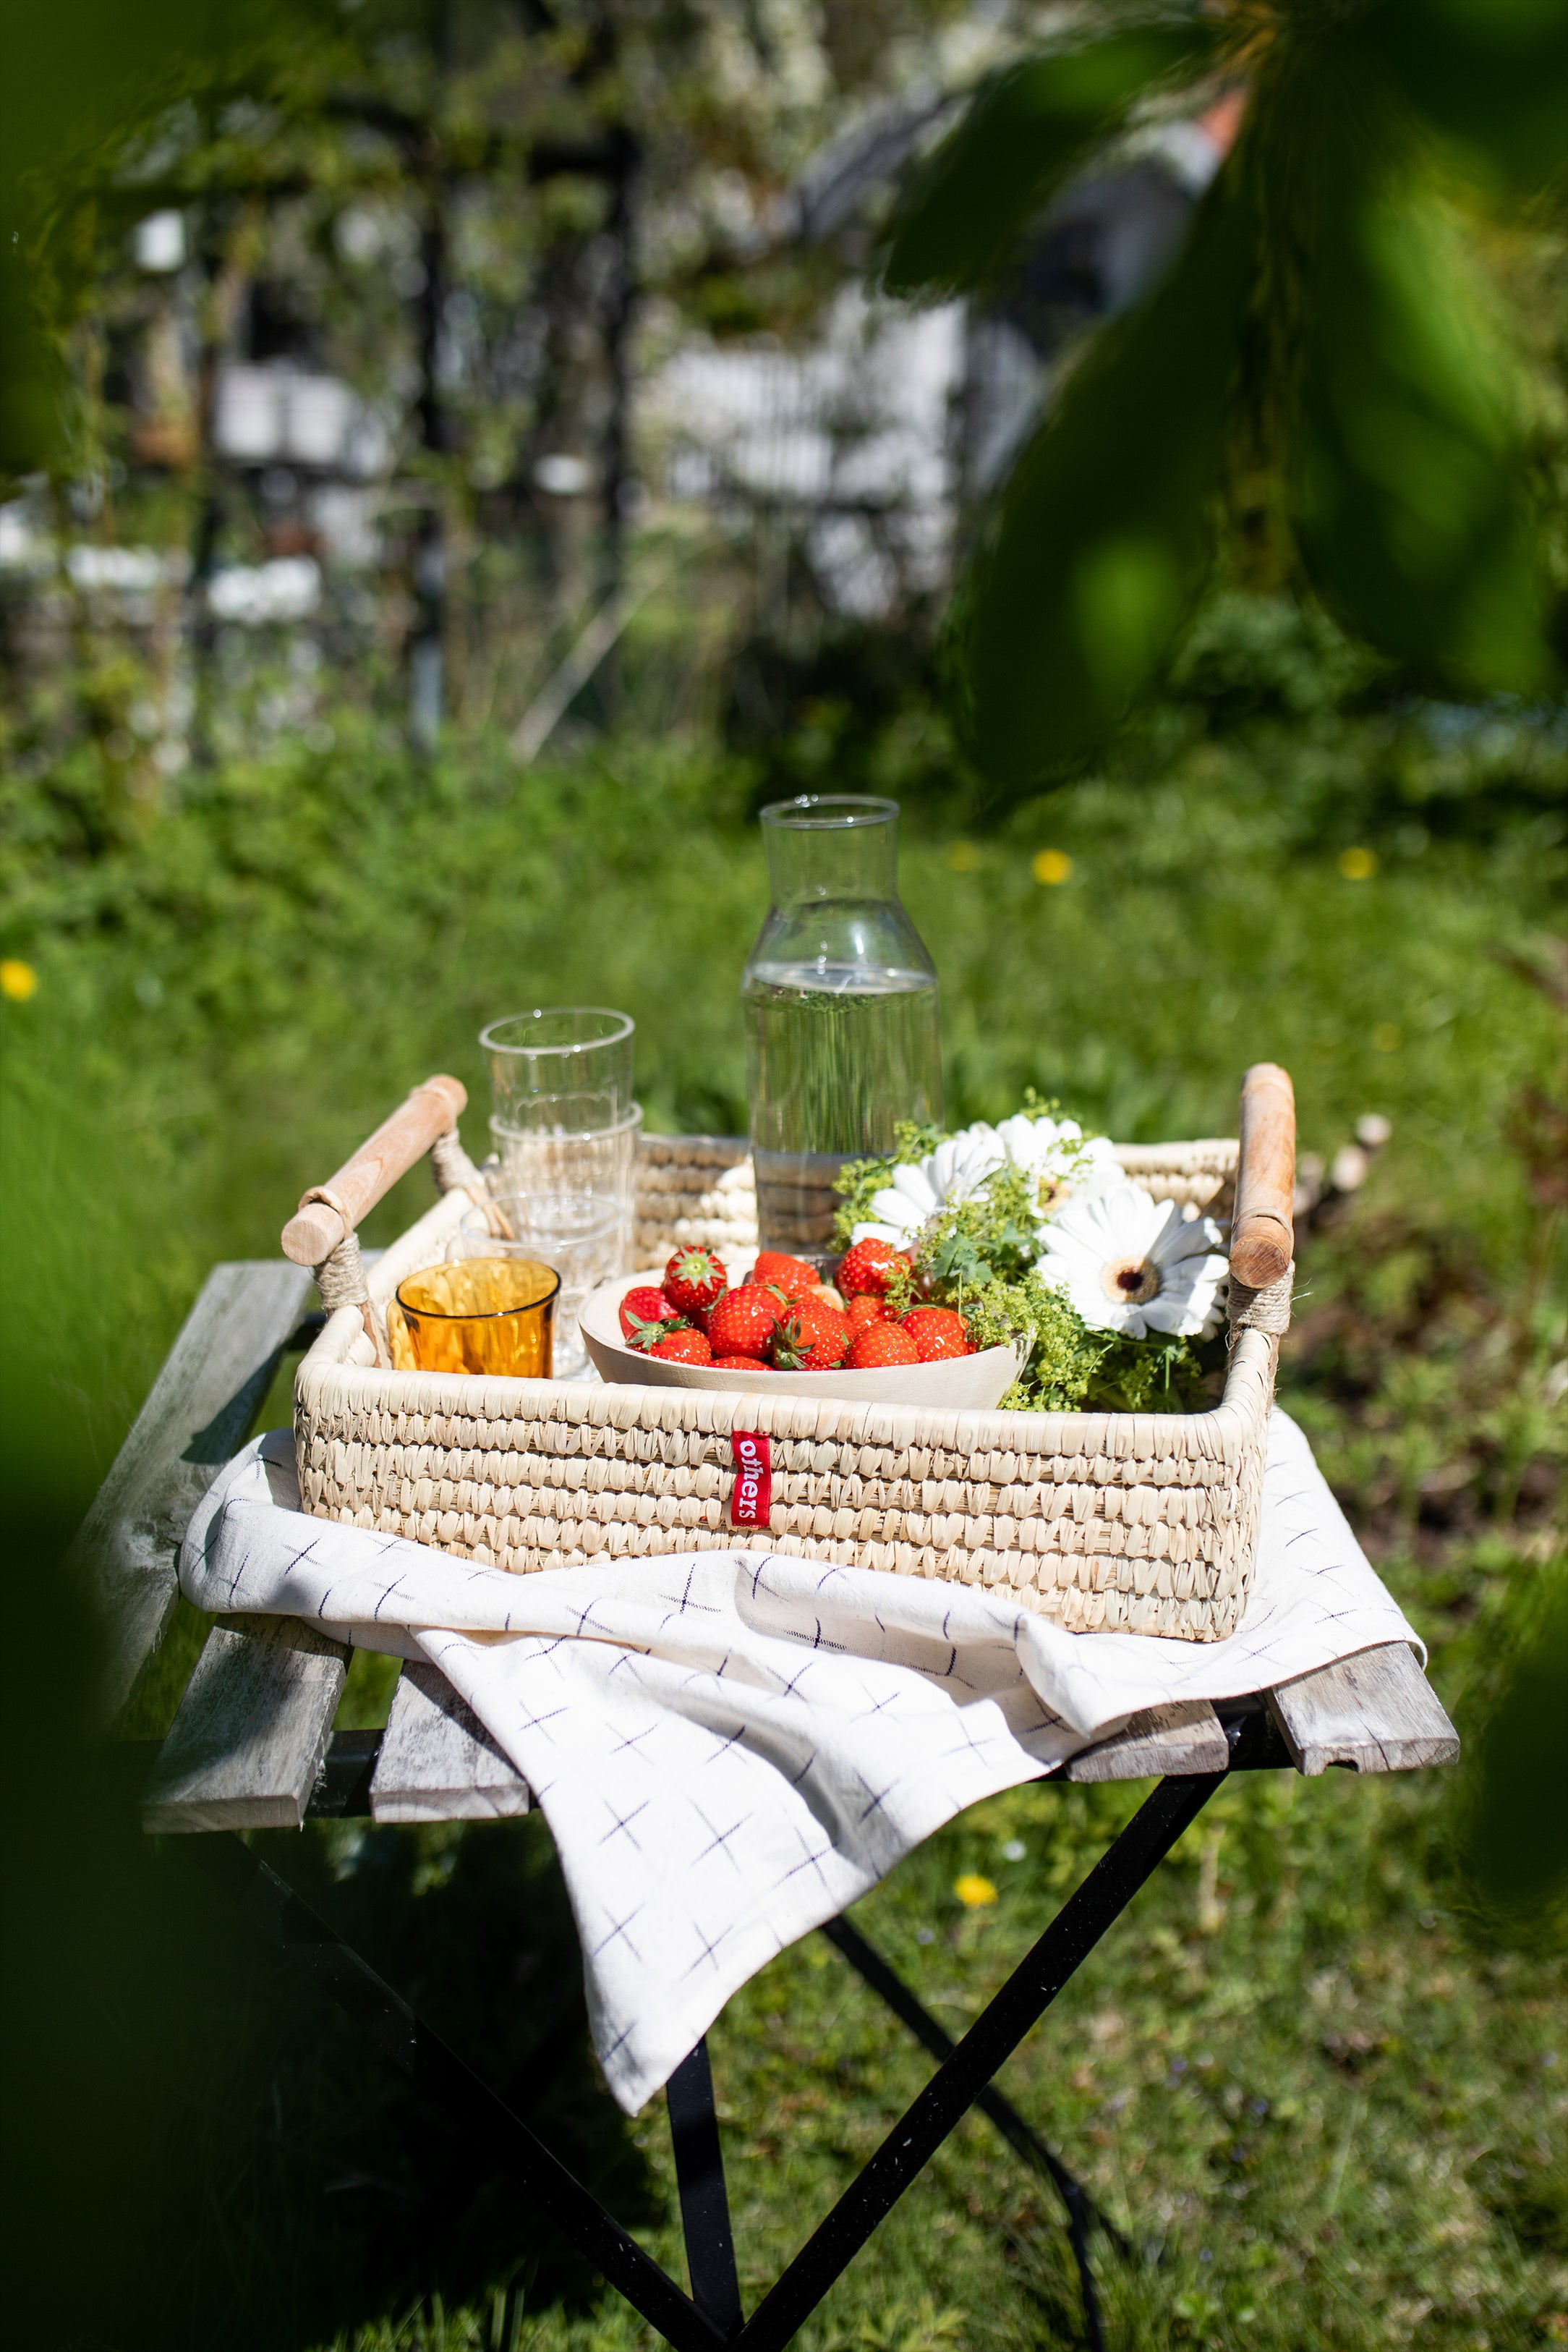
(752, 1500)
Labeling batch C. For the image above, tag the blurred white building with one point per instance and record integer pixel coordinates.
(278, 414)
(850, 438)
(877, 439)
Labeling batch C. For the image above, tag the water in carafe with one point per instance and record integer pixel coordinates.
(840, 997)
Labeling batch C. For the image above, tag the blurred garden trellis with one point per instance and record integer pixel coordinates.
(386, 342)
(369, 334)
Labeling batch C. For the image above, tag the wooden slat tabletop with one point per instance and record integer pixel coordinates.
(437, 1762)
(244, 1748)
(1182, 1739)
(1373, 1713)
(248, 1742)
(199, 1413)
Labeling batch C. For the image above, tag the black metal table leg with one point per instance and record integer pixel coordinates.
(994, 2036)
(304, 1938)
(704, 2204)
(711, 2323)
(1082, 2213)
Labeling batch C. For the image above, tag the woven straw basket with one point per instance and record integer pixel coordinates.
(1144, 1523)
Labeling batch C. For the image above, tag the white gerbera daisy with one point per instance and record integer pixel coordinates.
(1064, 1162)
(1129, 1263)
(953, 1173)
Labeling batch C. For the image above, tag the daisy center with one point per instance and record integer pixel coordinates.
(1130, 1281)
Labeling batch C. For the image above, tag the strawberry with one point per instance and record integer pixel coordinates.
(866, 1267)
(693, 1280)
(875, 1344)
(742, 1321)
(793, 1276)
(938, 1333)
(736, 1364)
(866, 1308)
(683, 1346)
(810, 1339)
(643, 1304)
(646, 1337)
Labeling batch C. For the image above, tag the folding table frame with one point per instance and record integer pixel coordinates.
(252, 1747)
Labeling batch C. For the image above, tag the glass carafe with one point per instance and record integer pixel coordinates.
(840, 997)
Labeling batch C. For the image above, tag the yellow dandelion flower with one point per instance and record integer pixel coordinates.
(1358, 864)
(973, 1891)
(963, 857)
(1388, 1036)
(1050, 865)
(18, 981)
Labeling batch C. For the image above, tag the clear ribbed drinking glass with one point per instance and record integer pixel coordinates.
(565, 1130)
(562, 1069)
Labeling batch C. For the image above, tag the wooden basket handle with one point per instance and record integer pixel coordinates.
(1262, 1235)
(329, 1212)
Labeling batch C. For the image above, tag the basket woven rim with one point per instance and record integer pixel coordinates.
(327, 1380)
(1201, 1155)
(336, 1375)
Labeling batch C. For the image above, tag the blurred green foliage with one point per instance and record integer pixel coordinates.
(1518, 1854)
(1102, 538)
(1320, 346)
(1027, 128)
(82, 82)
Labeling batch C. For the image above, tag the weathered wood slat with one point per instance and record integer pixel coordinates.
(198, 1414)
(1375, 1713)
(438, 1763)
(1184, 1740)
(244, 1748)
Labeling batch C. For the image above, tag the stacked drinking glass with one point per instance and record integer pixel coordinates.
(564, 1129)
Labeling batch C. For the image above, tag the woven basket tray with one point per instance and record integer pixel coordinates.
(1138, 1522)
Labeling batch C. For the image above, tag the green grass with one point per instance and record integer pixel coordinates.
(1318, 2089)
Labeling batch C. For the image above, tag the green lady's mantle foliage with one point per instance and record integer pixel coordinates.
(979, 1257)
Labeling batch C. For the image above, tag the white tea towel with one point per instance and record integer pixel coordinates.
(729, 1747)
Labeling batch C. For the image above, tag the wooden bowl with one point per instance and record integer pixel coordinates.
(960, 1382)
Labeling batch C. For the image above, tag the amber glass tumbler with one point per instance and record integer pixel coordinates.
(483, 1315)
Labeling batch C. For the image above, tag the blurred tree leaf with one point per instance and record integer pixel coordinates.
(1347, 328)
(1492, 74)
(1410, 484)
(1101, 540)
(27, 383)
(71, 70)
(1517, 1845)
(1025, 130)
(77, 76)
